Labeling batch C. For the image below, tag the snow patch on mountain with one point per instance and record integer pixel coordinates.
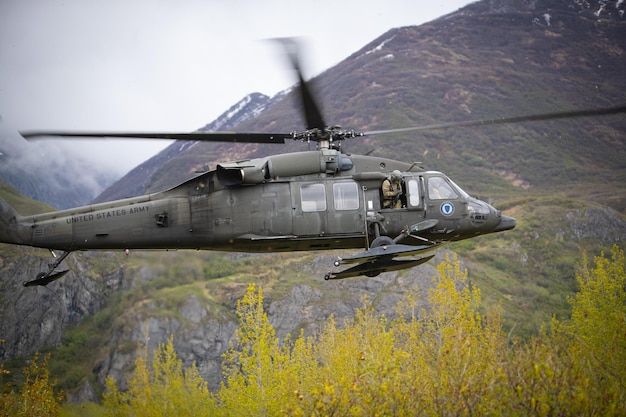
(379, 47)
(247, 108)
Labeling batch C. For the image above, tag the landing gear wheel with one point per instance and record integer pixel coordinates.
(382, 241)
(327, 277)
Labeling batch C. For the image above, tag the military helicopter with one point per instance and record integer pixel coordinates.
(319, 199)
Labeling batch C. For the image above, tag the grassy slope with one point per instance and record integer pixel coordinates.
(21, 204)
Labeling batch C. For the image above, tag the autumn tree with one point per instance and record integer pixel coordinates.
(37, 397)
(597, 335)
(576, 367)
(455, 354)
(262, 375)
(165, 389)
(599, 320)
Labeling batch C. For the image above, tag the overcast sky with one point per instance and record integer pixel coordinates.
(169, 65)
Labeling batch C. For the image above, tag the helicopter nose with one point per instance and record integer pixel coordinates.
(506, 223)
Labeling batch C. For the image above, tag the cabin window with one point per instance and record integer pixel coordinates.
(439, 189)
(346, 196)
(313, 197)
(414, 192)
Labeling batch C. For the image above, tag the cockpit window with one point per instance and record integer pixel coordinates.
(439, 189)
(459, 189)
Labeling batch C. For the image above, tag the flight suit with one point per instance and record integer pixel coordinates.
(391, 194)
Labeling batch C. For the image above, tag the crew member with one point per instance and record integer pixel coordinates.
(392, 190)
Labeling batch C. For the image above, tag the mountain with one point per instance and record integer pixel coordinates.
(142, 178)
(563, 180)
(490, 59)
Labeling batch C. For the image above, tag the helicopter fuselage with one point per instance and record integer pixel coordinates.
(304, 201)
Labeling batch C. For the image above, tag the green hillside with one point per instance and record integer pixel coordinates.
(23, 205)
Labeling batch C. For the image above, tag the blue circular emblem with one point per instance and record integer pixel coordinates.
(447, 208)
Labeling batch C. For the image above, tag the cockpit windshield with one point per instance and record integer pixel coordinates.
(439, 189)
(459, 189)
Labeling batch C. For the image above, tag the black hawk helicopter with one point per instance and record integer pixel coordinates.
(310, 200)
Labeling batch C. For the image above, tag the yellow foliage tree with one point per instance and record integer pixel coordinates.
(599, 316)
(578, 366)
(357, 368)
(37, 397)
(455, 356)
(165, 390)
(263, 378)
(598, 328)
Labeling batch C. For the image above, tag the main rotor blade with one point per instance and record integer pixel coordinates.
(504, 120)
(198, 136)
(312, 113)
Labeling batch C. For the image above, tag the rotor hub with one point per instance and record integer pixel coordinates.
(328, 137)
